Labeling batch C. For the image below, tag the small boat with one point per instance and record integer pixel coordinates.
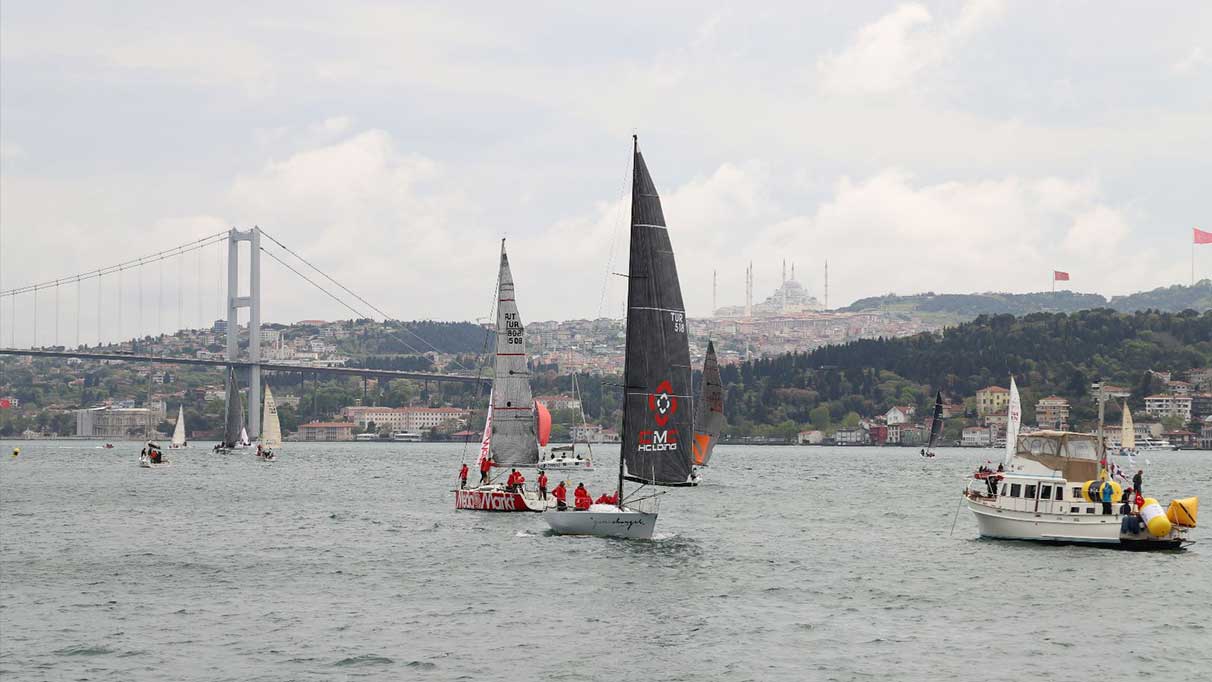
(936, 426)
(178, 440)
(406, 437)
(565, 457)
(109, 446)
(709, 419)
(1055, 489)
(235, 436)
(514, 425)
(658, 427)
(152, 457)
(271, 428)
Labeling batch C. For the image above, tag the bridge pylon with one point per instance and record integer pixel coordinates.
(253, 302)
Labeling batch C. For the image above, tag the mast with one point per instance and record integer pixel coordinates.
(635, 152)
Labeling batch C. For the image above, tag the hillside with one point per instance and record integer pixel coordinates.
(967, 306)
(1049, 353)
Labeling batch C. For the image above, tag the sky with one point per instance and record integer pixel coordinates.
(919, 146)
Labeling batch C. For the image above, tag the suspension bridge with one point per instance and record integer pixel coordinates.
(112, 294)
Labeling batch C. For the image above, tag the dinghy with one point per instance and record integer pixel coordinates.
(271, 428)
(178, 440)
(658, 409)
(513, 427)
(936, 426)
(567, 457)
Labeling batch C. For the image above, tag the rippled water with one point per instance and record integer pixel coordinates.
(348, 561)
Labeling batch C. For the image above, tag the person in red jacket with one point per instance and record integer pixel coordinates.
(518, 480)
(542, 485)
(485, 467)
(463, 476)
(581, 498)
(559, 494)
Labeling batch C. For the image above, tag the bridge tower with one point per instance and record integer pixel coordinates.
(253, 302)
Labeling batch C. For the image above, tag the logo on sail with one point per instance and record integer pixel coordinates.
(663, 406)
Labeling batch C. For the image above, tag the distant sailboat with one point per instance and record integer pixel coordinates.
(658, 426)
(564, 457)
(709, 414)
(514, 422)
(936, 425)
(234, 434)
(271, 428)
(178, 440)
(1014, 418)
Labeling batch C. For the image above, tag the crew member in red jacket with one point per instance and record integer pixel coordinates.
(542, 485)
(463, 476)
(559, 494)
(518, 480)
(581, 498)
(485, 467)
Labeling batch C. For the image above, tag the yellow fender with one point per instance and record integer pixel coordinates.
(1155, 519)
(1183, 512)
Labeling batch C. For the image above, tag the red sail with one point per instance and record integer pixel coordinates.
(544, 423)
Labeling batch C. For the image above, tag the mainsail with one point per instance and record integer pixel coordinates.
(271, 426)
(233, 422)
(709, 415)
(1127, 433)
(1014, 417)
(657, 427)
(514, 442)
(936, 422)
(179, 429)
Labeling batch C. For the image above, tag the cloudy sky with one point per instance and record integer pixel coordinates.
(946, 146)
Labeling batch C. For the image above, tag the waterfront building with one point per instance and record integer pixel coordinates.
(1052, 413)
(1166, 405)
(991, 399)
(326, 431)
(117, 423)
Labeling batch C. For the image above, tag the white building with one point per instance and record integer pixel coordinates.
(977, 437)
(558, 402)
(404, 418)
(115, 422)
(899, 414)
(1163, 405)
(855, 436)
(812, 437)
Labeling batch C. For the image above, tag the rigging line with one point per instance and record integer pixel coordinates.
(126, 265)
(482, 361)
(614, 235)
(373, 307)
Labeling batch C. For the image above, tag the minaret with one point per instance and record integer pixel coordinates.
(826, 284)
(749, 290)
(784, 271)
(715, 283)
(793, 272)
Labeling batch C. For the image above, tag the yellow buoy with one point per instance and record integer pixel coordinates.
(1155, 519)
(1086, 490)
(1183, 512)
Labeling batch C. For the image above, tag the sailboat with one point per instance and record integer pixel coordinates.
(658, 409)
(178, 440)
(234, 434)
(709, 416)
(512, 428)
(271, 428)
(936, 425)
(1127, 434)
(566, 457)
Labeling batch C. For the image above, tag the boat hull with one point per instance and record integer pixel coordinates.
(627, 523)
(1101, 530)
(498, 500)
(565, 465)
(145, 464)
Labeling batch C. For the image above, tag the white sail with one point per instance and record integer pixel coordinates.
(1127, 433)
(486, 439)
(179, 430)
(271, 426)
(244, 437)
(1014, 417)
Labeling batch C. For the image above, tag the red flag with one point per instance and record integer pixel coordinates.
(1058, 276)
(1202, 237)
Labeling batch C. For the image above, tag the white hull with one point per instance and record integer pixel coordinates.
(626, 523)
(1086, 529)
(147, 464)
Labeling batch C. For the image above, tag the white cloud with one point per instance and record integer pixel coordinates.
(889, 53)
(1194, 61)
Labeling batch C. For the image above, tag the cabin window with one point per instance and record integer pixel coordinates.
(1003, 490)
(1015, 489)
(1075, 510)
(1060, 493)
(1089, 510)
(1077, 492)
(1045, 492)
(1029, 492)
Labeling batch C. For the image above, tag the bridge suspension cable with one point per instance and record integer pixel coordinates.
(134, 263)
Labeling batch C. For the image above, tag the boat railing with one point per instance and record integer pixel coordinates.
(647, 504)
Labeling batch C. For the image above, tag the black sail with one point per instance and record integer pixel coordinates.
(709, 414)
(658, 415)
(234, 419)
(936, 423)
